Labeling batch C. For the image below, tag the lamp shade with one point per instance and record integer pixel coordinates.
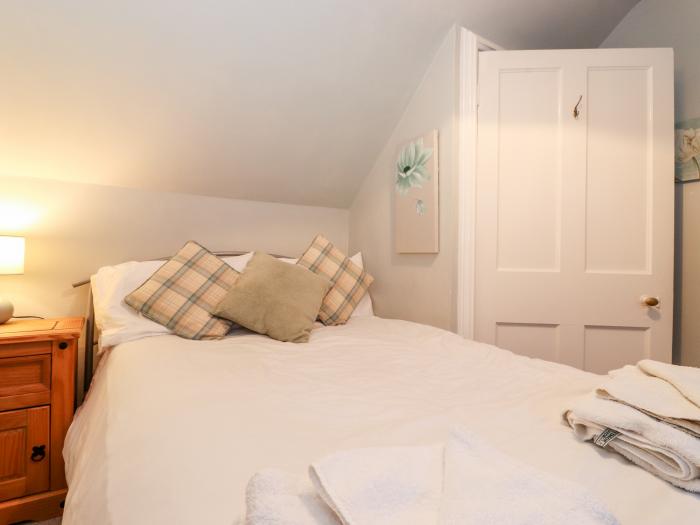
(11, 255)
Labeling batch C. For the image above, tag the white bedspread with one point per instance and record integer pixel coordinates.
(173, 429)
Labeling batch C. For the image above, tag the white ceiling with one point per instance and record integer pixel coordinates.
(274, 100)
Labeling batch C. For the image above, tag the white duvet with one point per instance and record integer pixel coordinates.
(173, 429)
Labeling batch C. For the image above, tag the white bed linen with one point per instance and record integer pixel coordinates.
(173, 429)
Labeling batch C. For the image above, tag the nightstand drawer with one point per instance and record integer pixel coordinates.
(22, 349)
(25, 381)
(24, 452)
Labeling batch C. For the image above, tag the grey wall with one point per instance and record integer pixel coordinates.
(416, 287)
(664, 23)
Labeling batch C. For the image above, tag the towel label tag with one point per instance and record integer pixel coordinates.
(605, 437)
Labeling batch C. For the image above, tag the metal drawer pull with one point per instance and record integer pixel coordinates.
(38, 453)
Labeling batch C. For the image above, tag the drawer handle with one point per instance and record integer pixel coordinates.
(38, 453)
(63, 345)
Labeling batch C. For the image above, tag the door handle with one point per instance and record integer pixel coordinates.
(652, 302)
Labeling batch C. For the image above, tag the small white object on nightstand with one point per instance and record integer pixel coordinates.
(6, 310)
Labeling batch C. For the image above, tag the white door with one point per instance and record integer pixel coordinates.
(574, 205)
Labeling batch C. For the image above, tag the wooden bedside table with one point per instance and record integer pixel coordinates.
(37, 389)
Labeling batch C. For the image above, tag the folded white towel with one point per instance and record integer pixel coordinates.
(653, 396)
(663, 450)
(685, 378)
(464, 482)
(481, 485)
(273, 497)
(388, 486)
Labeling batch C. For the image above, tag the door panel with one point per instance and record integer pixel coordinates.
(610, 347)
(574, 213)
(23, 470)
(534, 340)
(528, 174)
(618, 171)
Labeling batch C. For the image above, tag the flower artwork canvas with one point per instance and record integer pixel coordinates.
(688, 150)
(416, 206)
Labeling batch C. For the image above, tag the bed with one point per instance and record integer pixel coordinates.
(172, 429)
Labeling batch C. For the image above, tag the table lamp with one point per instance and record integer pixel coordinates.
(11, 263)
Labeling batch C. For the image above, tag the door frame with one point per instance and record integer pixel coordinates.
(470, 45)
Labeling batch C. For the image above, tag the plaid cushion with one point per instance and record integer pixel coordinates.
(349, 282)
(183, 292)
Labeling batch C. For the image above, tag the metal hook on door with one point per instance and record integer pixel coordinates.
(576, 111)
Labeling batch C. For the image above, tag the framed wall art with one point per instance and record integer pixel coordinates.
(416, 202)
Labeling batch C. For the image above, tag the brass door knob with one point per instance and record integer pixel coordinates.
(650, 301)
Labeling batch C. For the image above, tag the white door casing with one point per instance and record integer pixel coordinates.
(574, 215)
(470, 46)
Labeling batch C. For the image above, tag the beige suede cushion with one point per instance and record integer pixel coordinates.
(274, 298)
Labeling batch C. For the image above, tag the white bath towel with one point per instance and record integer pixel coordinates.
(685, 378)
(663, 450)
(481, 485)
(273, 497)
(388, 486)
(461, 483)
(653, 396)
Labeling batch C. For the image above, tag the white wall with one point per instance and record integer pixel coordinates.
(415, 287)
(661, 23)
(270, 100)
(73, 229)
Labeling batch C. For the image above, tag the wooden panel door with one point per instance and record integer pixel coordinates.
(24, 452)
(574, 207)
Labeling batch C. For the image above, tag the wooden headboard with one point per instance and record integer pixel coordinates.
(90, 332)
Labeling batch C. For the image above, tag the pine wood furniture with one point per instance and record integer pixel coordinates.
(37, 392)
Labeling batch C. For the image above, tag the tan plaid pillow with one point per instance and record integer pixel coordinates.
(183, 292)
(349, 282)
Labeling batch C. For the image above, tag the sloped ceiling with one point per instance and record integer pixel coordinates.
(272, 100)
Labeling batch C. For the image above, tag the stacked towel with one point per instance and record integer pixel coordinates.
(654, 396)
(462, 482)
(649, 413)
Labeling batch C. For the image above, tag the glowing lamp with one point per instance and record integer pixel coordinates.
(11, 263)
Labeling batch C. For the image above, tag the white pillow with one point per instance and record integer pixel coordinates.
(118, 322)
(239, 262)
